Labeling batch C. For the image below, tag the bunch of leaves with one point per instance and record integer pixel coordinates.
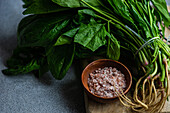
(61, 32)
(68, 29)
(134, 24)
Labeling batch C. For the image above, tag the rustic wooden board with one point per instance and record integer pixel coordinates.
(116, 106)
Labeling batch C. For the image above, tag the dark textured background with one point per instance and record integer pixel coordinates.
(25, 93)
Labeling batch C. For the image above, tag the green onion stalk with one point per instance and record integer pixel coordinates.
(141, 36)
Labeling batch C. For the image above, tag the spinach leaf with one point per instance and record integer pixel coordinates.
(24, 60)
(26, 21)
(43, 30)
(139, 21)
(22, 69)
(120, 8)
(60, 59)
(75, 3)
(83, 12)
(23, 55)
(91, 36)
(83, 52)
(68, 3)
(162, 8)
(113, 48)
(27, 3)
(85, 16)
(41, 7)
(94, 3)
(67, 37)
(20, 56)
(43, 66)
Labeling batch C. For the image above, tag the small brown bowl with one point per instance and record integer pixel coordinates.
(101, 63)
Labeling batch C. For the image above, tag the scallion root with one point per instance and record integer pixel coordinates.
(151, 101)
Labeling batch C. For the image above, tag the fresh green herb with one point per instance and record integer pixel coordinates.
(67, 37)
(41, 7)
(113, 48)
(91, 36)
(60, 59)
(41, 30)
(75, 3)
(144, 41)
(25, 60)
(161, 6)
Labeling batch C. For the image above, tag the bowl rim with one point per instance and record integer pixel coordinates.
(111, 61)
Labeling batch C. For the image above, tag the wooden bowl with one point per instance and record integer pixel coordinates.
(101, 63)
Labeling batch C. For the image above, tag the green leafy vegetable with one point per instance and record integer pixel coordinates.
(22, 69)
(142, 40)
(120, 8)
(60, 59)
(68, 3)
(67, 37)
(83, 52)
(41, 31)
(41, 7)
(24, 60)
(140, 21)
(84, 12)
(91, 36)
(43, 66)
(75, 3)
(27, 3)
(161, 6)
(113, 48)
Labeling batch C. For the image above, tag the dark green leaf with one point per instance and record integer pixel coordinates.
(139, 21)
(60, 59)
(41, 7)
(43, 66)
(26, 21)
(94, 3)
(91, 36)
(67, 37)
(24, 55)
(113, 48)
(161, 6)
(24, 60)
(85, 16)
(83, 52)
(27, 3)
(86, 12)
(75, 3)
(63, 40)
(22, 69)
(42, 31)
(68, 3)
(120, 8)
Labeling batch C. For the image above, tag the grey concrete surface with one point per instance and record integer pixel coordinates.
(168, 2)
(25, 93)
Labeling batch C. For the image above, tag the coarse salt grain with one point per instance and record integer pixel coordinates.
(105, 82)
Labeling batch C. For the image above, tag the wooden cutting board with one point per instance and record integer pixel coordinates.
(116, 107)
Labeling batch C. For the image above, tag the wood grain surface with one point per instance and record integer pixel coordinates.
(116, 106)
